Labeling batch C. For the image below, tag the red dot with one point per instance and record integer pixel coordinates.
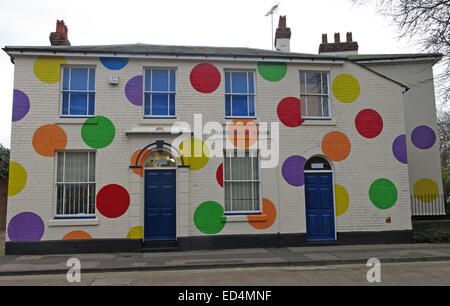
(369, 123)
(289, 112)
(113, 201)
(219, 175)
(205, 78)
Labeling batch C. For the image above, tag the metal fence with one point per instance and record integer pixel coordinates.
(429, 205)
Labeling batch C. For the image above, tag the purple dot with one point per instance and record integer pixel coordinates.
(292, 170)
(21, 105)
(26, 226)
(133, 90)
(423, 137)
(399, 149)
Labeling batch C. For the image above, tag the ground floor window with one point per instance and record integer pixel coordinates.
(242, 182)
(75, 184)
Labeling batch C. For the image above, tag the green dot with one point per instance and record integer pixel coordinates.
(383, 193)
(208, 217)
(272, 72)
(98, 132)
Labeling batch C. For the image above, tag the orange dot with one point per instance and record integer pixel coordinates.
(243, 133)
(139, 171)
(49, 138)
(77, 235)
(269, 212)
(336, 146)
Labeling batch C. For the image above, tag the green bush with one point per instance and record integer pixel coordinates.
(432, 237)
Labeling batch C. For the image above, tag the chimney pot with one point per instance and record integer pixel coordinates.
(324, 38)
(337, 38)
(349, 47)
(349, 37)
(282, 36)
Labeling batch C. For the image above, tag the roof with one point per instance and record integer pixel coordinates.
(161, 50)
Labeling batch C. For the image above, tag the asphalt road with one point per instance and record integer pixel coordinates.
(416, 273)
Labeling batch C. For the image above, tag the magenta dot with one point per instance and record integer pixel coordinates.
(293, 170)
(26, 226)
(21, 105)
(134, 91)
(423, 137)
(399, 149)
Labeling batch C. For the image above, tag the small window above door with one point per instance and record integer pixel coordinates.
(160, 159)
(317, 163)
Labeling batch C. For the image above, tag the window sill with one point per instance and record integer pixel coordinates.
(73, 222)
(158, 120)
(77, 120)
(244, 218)
(319, 122)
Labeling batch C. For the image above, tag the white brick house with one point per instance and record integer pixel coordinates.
(336, 170)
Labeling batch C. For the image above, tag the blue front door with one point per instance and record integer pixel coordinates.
(160, 205)
(319, 207)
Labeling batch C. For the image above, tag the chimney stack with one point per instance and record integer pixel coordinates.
(282, 36)
(349, 47)
(59, 37)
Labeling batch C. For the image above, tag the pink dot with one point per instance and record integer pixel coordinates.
(205, 78)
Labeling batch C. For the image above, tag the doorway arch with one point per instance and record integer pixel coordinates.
(319, 200)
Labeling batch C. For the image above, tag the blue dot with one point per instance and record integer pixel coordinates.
(114, 63)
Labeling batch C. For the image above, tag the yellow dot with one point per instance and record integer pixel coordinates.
(426, 190)
(17, 178)
(346, 88)
(48, 68)
(136, 233)
(342, 199)
(195, 153)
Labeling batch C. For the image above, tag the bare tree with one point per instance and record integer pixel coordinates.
(444, 137)
(428, 23)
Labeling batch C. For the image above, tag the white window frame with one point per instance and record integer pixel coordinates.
(234, 153)
(163, 92)
(69, 91)
(330, 111)
(240, 94)
(74, 216)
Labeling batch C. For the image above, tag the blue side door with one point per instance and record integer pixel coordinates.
(319, 207)
(160, 205)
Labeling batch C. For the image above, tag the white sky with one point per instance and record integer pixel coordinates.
(230, 23)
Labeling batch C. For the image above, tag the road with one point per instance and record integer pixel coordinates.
(417, 273)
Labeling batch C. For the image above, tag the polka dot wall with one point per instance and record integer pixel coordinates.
(366, 143)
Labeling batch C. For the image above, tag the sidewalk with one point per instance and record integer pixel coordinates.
(293, 256)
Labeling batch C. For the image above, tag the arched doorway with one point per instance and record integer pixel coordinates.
(160, 196)
(319, 200)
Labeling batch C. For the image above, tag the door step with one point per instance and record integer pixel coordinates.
(160, 246)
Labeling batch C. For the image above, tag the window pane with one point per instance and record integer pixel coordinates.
(227, 82)
(60, 167)
(65, 106)
(78, 103)
(91, 79)
(91, 167)
(227, 105)
(239, 82)
(160, 105)
(251, 83)
(66, 76)
(240, 105)
(325, 107)
(251, 106)
(324, 83)
(302, 82)
(160, 80)
(78, 79)
(303, 105)
(314, 106)
(76, 167)
(148, 78)
(172, 105)
(147, 104)
(91, 103)
(172, 80)
(313, 82)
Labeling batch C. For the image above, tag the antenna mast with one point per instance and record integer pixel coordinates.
(272, 11)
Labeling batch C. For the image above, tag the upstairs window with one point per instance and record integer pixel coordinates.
(314, 96)
(78, 92)
(239, 94)
(159, 93)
